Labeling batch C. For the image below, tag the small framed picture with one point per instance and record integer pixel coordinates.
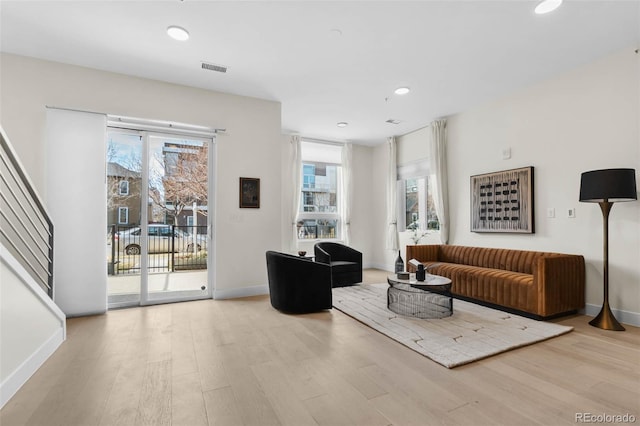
(249, 193)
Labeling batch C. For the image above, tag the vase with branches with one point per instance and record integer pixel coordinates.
(416, 233)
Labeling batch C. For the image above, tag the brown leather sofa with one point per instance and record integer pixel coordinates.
(537, 284)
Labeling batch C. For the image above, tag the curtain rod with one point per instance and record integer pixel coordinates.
(156, 124)
(74, 110)
(302, 138)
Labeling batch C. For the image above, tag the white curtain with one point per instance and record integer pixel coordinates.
(392, 208)
(296, 170)
(77, 202)
(345, 199)
(438, 168)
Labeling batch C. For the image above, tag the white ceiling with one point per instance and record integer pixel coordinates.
(453, 54)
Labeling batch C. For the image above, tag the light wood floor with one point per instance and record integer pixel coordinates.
(240, 362)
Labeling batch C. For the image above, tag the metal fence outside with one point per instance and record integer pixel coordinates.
(310, 232)
(171, 248)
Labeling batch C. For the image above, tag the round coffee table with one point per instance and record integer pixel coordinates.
(430, 298)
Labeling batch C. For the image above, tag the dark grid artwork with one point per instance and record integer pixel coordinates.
(503, 201)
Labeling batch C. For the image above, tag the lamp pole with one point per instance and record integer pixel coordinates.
(605, 187)
(605, 319)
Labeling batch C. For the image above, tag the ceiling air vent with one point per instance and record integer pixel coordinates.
(213, 67)
(392, 121)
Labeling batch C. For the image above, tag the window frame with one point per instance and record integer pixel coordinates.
(120, 184)
(315, 215)
(415, 170)
(126, 214)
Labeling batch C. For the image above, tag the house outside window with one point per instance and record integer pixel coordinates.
(119, 180)
(319, 216)
(123, 187)
(123, 215)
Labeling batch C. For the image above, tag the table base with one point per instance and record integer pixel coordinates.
(418, 303)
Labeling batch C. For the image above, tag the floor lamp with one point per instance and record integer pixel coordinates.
(606, 187)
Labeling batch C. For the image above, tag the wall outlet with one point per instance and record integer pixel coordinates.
(551, 212)
(571, 213)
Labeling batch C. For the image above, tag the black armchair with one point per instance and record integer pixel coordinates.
(345, 262)
(298, 285)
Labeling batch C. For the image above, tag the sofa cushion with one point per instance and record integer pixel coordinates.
(497, 286)
(510, 260)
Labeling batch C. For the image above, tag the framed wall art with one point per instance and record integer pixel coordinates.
(249, 193)
(503, 201)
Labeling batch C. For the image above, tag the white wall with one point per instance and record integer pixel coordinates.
(362, 229)
(31, 326)
(249, 148)
(381, 258)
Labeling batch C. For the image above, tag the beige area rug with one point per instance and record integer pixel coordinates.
(473, 332)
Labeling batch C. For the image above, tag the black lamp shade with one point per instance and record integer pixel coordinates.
(611, 185)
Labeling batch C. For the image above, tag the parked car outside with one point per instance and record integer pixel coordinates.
(160, 240)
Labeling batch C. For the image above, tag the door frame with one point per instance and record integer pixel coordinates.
(184, 295)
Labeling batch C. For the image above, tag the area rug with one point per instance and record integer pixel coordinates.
(473, 332)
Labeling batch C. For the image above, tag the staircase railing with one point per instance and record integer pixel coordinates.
(26, 230)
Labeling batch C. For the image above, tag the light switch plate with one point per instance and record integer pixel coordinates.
(551, 212)
(506, 153)
(571, 213)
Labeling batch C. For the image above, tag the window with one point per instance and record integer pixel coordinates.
(319, 216)
(123, 215)
(165, 231)
(415, 199)
(189, 220)
(123, 187)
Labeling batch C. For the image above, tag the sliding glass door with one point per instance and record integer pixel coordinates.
(158, 237)
(124, 201)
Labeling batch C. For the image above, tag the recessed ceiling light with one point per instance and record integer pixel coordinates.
(178, 33)
(402, 91)
(547, 6)
(343, 124)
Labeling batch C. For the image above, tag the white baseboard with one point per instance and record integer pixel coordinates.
(19, 377)
(380, 266)
(234, 293)
(87, 313)
(625, 317)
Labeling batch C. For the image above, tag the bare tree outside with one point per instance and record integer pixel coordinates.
(178, 179)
